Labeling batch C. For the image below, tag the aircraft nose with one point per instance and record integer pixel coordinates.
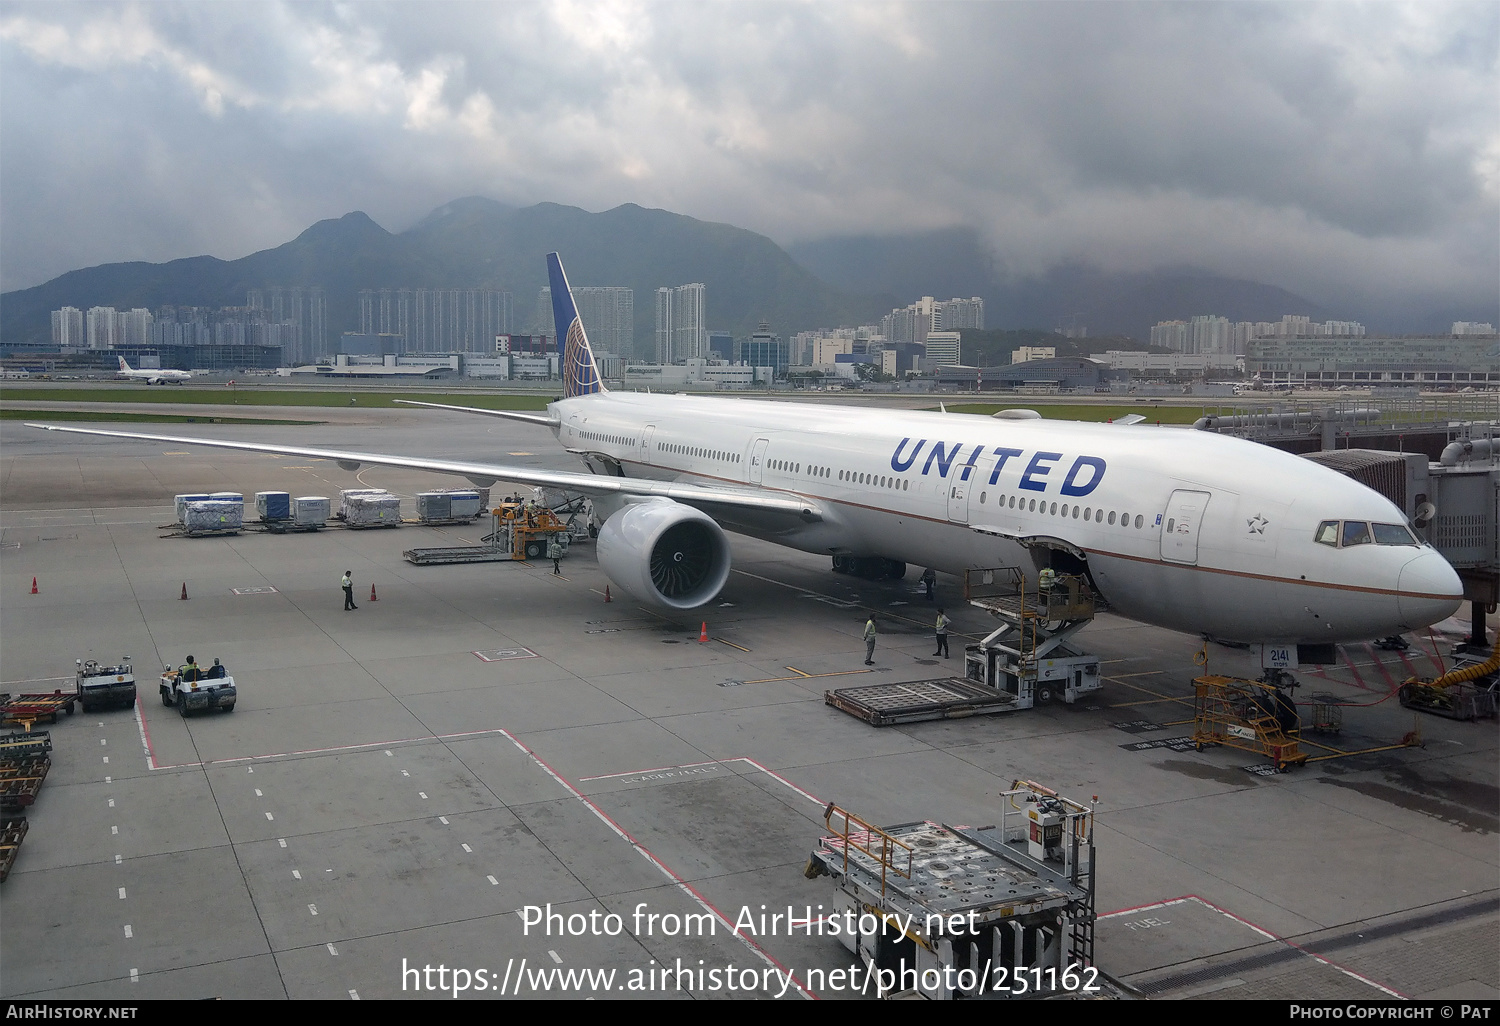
(1428, 591)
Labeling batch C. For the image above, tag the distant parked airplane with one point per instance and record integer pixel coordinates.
(153, 377)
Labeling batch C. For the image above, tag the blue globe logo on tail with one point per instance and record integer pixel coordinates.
(579, 371)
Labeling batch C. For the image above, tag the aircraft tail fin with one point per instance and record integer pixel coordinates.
(580, 372)
(123, 365)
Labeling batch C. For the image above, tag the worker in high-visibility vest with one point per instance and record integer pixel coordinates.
(1046, 581)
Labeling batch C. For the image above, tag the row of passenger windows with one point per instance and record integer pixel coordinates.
(594, 436)
(700, 452)
(1026, 505)
(1343, 533)
(877, 480)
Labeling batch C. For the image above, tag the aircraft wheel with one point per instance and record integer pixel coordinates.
(896, 569)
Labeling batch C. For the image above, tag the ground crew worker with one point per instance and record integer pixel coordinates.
(554, 553)
(347, 583)
(929, 578)
(942, 634)
(870, 641)
(188, 671)
(1046, 580)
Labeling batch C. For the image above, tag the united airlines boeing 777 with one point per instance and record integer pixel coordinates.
(1184, 529)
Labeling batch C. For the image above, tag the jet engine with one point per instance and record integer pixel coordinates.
(664, 553)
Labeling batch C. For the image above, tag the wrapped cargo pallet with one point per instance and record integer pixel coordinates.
(349, 493)
(273, 505)
(310, 510)
(213, 515)
(180, 503)
(382, 510)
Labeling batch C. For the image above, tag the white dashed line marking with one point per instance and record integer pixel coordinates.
(114, 830)
(135, 976)
(122, 894)
(102, 742)
(354, 995)
(443, 820)
(118, 860)
(106, 758)
(423, 794)
(281, 841)
(269, 816)
(468, 849)
(405, 774)
(493, 881)
(128, 932)
(111, 803)
(333, 951)
(109, 780)
(313, 909)
(296, 874)
(258, 794)
(555, 956)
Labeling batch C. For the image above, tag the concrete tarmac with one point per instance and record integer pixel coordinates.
(399, 780)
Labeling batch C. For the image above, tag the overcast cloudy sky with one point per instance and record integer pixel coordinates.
(1333, 149)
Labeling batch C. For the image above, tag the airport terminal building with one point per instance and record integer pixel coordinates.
(1421, 361)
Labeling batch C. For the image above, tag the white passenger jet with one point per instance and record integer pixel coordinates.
(1185, 529)
(152, 377)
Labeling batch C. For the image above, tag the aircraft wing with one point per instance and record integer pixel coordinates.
(485, 474)
(544, 419)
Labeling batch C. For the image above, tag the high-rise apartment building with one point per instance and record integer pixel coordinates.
(681, 323)
(67, 328)
(437, 320)
(957, 314)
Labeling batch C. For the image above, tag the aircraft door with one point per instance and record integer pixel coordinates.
(961, 488)
(757, 459)
(1179, 531)
(646, 444)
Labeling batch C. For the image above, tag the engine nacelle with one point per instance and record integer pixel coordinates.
(665, 554)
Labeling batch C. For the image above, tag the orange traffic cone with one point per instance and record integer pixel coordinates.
(372, 594)
(33, 585)
(703, 632)
(606, 592)
(184, 590)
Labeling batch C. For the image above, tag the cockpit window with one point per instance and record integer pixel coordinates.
(1343, 533)
(1356, 532)
(1394, 534)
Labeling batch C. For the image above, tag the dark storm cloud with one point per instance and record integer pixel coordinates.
(1331, 148)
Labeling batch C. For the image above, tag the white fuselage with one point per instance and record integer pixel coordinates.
(1185, 529)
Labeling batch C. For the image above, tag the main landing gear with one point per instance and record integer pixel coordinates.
(874, 568)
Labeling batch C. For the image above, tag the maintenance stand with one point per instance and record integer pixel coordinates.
(946, 912)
